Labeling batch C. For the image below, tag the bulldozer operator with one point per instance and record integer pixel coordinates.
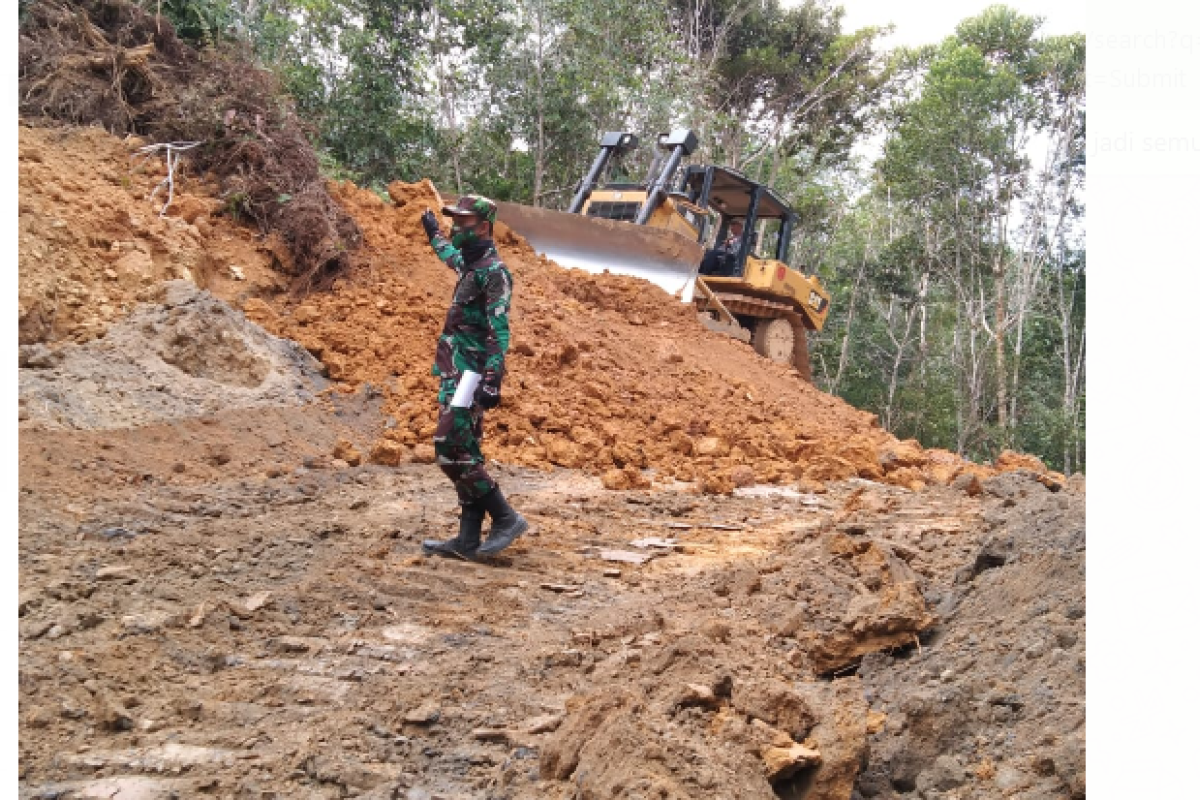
(471, 348)
(721, 261)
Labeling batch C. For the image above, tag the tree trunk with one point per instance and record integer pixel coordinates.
(844, 355)
(447, 96)
(898, 361)
(1028, 278)
(774, 171)
(539, 166)
(960, 423)
(998, 272)
(1072, 370)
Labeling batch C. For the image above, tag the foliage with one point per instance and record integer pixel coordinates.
(557, 73)
(780, 83)
(199, 22)
(968, 328)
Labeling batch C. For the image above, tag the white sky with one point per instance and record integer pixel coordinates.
(919, 23)
(929, 22)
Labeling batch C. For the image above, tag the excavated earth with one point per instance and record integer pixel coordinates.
(735, 586)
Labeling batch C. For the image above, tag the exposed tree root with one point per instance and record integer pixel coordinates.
(109, 63)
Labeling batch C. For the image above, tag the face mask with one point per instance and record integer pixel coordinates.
(462, 237)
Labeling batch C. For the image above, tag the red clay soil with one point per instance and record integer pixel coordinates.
(219, 596)
(606, 373)
(92, 246)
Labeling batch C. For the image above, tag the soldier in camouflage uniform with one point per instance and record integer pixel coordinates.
(475, 337)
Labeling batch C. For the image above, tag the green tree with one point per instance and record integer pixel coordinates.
(558, 73)
(770, 82)
(958, 161)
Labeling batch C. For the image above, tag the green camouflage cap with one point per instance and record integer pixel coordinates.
(475, 204)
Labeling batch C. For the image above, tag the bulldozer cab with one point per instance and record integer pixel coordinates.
(767, 218)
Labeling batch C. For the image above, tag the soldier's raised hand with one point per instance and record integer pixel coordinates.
(430, 224)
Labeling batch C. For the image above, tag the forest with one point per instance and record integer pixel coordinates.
(940, 189)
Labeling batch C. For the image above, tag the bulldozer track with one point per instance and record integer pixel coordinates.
(758, 308)
(750, 306)
(728, 328)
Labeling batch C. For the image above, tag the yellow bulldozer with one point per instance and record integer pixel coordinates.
(668, 228)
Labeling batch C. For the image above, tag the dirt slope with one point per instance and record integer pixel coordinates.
(606, 373)
(220, 594)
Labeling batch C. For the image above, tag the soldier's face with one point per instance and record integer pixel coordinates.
(465, 222)
(463, 233)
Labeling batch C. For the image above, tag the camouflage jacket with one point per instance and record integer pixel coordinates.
(475, 335)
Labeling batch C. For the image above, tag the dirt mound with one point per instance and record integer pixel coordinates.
(190, 355)
(980, 695)
(606, 373)
(110, 63)
(703, 714)
(91, 246)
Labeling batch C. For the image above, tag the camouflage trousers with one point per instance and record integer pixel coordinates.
(456, 445)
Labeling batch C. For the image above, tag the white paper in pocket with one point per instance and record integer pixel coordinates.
(464, 395)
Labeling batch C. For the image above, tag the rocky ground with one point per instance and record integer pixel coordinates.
(735, 586)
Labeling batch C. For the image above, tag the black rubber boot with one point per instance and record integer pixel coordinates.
(507, 524)
(464, 545)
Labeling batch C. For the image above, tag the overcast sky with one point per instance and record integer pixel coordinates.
(920, 23)
(929, 22)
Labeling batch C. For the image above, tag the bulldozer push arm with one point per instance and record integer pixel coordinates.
(612, 144)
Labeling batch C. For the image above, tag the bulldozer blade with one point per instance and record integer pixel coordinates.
(665, 258)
